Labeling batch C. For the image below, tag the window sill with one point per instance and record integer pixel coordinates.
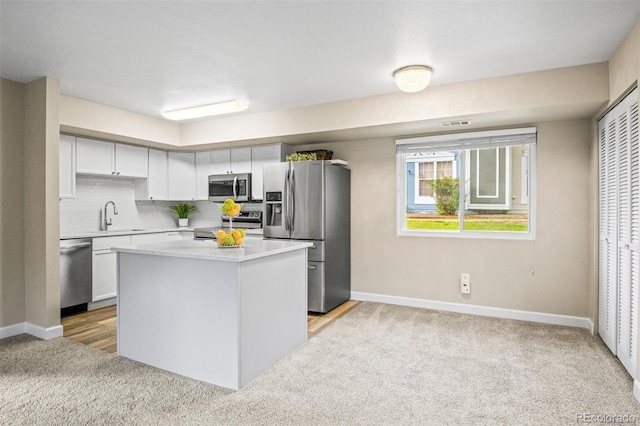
(488, 235)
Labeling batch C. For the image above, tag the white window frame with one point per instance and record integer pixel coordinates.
(524, 178)
(462, 142)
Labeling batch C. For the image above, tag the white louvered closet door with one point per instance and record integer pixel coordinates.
(608, 288)
(620, 229)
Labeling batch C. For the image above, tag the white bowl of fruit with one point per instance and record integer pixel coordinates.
(228, 238)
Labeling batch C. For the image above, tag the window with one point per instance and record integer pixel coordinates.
(476, 184)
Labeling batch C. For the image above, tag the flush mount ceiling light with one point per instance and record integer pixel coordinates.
(206, 110)
(413, 78)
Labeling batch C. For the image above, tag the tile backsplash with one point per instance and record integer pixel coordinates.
(84, 213)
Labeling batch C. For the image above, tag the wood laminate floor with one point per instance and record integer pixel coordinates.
(98, 328)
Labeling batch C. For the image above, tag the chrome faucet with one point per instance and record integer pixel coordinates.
(107, 222)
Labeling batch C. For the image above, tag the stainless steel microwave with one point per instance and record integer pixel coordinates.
(234, 186)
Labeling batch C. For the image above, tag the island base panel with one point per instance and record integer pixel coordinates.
(219, 322)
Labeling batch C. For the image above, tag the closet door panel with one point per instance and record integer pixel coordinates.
(628, 224)
(619, 222)
(608, 319)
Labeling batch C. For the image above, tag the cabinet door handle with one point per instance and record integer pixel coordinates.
(312, 267)
(113, 173)
(117, 173)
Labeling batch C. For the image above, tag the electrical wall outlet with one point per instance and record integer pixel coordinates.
(465, 283)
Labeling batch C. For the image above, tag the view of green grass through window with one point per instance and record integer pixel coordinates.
(491, 184)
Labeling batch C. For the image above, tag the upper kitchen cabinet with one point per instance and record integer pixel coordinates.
(241, 160)
(226, 161)
(204, 168)
(67, 167)
(155, 187)
(182, 176)
(131, 161)
(94, 157)
(262, 155)
(111, 159)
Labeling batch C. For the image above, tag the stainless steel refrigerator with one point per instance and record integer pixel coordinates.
(310, 200)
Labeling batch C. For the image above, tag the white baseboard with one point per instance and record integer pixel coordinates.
(91, 306)
(44, 333)
(12, 330)
(34, 330)
(486, 311)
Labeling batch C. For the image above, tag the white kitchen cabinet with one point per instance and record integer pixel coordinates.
(204, 168)
(241, 160)
(156, 185)
(260, 156)
(67, 166)
(148, 238)
(131, 161)
(110, 159)
(158, 174)
(178, 235)
(182, 176)
(104, 274)
(226, 161)
(94, 157)
(220, 161)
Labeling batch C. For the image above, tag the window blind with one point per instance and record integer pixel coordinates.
(462, 141)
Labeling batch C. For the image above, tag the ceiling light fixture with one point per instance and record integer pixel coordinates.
(413, 78)
(206, 110)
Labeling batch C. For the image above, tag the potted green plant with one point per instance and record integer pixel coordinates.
(183, 210)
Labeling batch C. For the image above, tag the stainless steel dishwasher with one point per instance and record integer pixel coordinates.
(75, 272)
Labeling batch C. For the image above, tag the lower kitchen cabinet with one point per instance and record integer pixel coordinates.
(104, 276)
(147, 238)
(178, 235)
(105, 267)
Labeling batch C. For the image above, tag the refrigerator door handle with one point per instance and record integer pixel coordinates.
(286, 201)
(293, 199)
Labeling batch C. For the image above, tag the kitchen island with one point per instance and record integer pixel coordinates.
(220, 315)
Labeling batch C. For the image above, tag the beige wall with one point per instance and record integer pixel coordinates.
(42, 224)
(12, 294)
(624, 65)
(85, 118)
(544, 95)
(429, 268)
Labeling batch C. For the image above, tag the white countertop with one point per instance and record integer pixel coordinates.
(136, 231)
(253, 248)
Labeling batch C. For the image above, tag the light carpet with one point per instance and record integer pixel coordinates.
(378, 365)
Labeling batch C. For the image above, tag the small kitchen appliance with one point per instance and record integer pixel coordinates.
(234, 186)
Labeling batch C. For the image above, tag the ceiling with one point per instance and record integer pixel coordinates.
(151, 56)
